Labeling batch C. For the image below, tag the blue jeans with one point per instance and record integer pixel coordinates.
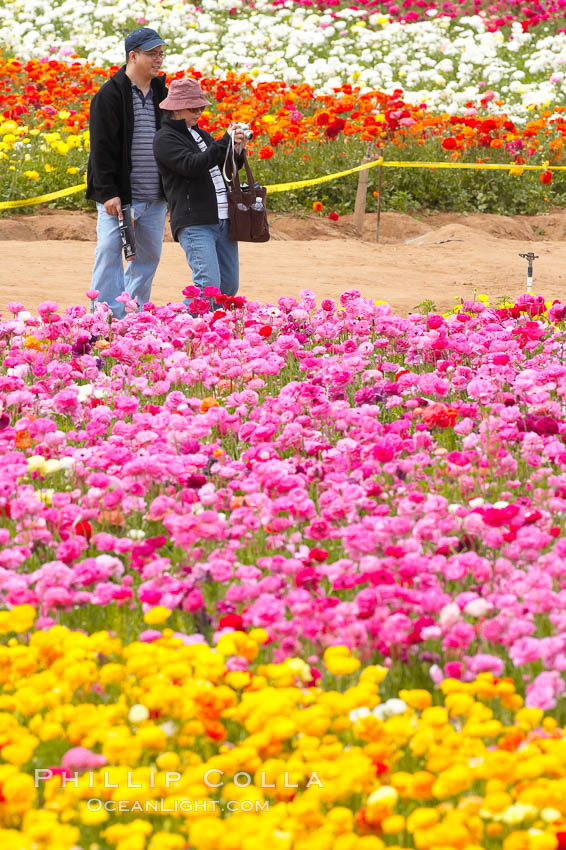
(108, 275)
(212, 256)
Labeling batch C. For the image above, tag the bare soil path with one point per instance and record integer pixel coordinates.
(438, 258)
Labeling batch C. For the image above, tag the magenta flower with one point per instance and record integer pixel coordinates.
(79, 759)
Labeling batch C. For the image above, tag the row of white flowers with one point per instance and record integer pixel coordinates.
(443, 62)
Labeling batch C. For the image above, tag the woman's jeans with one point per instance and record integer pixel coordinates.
(212, 256)
(108, 275)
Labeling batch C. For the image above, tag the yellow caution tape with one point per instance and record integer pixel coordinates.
(301, 184)
(479, 166)
(313, 181)
(40, 199)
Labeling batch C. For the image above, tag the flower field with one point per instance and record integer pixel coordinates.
(323, 84)
(285, 573)
(298, 134)
(291, 574)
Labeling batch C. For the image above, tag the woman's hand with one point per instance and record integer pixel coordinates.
(240, 140)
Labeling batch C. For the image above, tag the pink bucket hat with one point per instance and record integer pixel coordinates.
(184, 94)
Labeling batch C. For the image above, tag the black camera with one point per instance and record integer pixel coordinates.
(127, 232)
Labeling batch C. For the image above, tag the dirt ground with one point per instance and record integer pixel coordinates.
(439, 258)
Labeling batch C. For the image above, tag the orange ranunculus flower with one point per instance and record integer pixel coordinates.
(215, 730)
(23, 440)
(318, 206)
(207, 403)
(266, 152)
(440, 416)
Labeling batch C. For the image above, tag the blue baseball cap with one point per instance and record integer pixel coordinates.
(143, 38)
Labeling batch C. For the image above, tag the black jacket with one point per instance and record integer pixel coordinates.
(111, 131)
(184, 170)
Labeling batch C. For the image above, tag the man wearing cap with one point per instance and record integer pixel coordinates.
(190, 162)
(124, 117)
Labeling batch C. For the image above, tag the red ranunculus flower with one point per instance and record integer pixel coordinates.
(231, 621)
(336, 127)
(83, 528)
(319, 555)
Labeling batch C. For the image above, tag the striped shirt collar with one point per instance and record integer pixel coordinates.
(145, 98)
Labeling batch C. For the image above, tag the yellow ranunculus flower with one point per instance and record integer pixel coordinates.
(339, 661)
(530, 718)
(435, 716)
(542, 840)
(422, 819)
(392, 824)
(453, 781)
(168, 761)
(20, 619)
(205, 833)
(282, 728)
(374, 673)
(416, 698)
(300, 667)
(92, 817)
(341, 819)
(238, 680)
(152, 738)
(237, 643)
(156, 616)
(166, 841)
(458, 704)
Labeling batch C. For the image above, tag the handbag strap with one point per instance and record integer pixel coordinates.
(235, 178)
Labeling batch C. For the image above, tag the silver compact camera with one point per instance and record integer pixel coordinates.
(248, 134)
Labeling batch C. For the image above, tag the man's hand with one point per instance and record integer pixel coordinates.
(113, 207)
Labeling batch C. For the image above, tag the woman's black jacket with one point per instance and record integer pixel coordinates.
(185, 174)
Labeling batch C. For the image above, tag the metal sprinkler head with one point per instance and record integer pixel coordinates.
(530, 258)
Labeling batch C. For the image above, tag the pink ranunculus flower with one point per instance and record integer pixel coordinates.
(81, 759)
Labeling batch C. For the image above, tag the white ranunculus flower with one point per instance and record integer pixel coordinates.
(477, 608)
(441, 59)
(138, 713)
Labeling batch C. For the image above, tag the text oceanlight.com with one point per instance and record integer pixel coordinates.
(95, 804)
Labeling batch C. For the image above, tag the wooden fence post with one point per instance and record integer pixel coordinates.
(360, 207)
(379, 176)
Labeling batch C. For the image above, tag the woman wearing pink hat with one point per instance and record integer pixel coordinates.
(190, 162)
